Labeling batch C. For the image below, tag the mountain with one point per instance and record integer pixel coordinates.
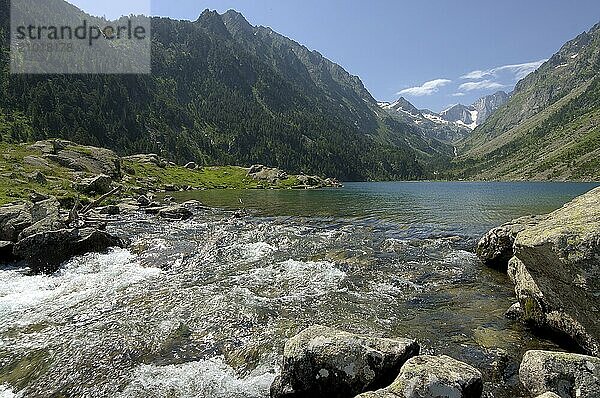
(476, 114)
(221, 92)
(550, 127)
(460, 114)
(451, 125)
(487, 105)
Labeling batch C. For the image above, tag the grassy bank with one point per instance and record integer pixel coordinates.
(41, 168)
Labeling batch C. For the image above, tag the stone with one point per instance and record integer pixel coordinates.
(38, 197)
(6, 251)
(556, 271)
(325, 362)
(495, 248)
(310, 181)
(565, 374)
(37, 176)
(191, 166)
(268, 174)
(143, 200)
(13, 220)
(80, 158)
(99, 184)
(548, 395)
(45, 216)
(46, 251)
(175, 212)
(36, 161)
(433, 376)
(111, 210)
(515, 312)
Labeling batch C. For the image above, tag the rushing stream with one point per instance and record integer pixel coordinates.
(202, 308)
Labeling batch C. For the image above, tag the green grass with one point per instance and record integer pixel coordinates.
(233, 177)
(16, 183)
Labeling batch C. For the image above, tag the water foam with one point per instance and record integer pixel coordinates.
(203, 379)
(93, 277)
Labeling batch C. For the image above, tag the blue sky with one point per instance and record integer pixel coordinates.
(433, 52)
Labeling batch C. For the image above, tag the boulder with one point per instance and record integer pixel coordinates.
(310, 181)
(175, 212)
(564, 374)
(191, 166)
(46, 251)
(111, 210)
(433, 376)
(13, 220)
(37, 176)
(548, 395)
(556, 271)
(263, 173)
(99, 184)
(36, 161)
(325, 362)
(495, 248)
(143, 200)
(45, 216)
(38, 197)
(80, 158)
(515, 312)
(6, 251)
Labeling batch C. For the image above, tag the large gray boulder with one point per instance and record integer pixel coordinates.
(45, 216)
(429, 376)
(46, 251)
(99, 184)
(268, 174)
(325, 362)
(13, 220)
(556, 271)
(565, 374)
(495, 248)
(80, 158)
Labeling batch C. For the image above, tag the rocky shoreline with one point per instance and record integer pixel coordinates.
(68, 193)
(552, 260)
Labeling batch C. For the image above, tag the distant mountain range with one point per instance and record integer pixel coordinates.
(549, 128)
(451, 125)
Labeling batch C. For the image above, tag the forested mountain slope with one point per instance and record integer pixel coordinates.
(221, 92)
(550, 128)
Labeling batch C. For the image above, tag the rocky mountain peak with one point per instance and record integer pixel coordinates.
(236, 22)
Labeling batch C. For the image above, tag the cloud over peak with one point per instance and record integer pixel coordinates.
(481, 85)
(518, 71)
(426, 88)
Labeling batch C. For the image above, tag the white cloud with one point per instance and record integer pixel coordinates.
(482, 85)
(458, 94)
(519, 71)
(475, 75)
(427, 88)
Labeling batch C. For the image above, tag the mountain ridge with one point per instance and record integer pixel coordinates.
(549, 129)
(221, 92)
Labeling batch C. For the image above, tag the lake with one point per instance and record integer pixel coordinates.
(202, 308)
